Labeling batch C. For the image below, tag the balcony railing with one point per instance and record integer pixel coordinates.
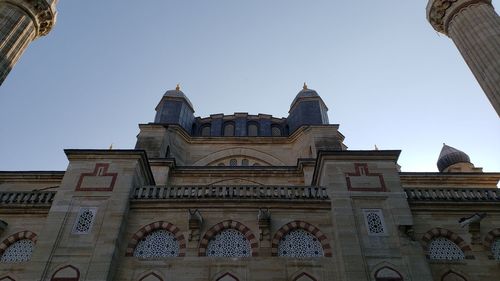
(26, 197)
(230, 192)
(454, 194)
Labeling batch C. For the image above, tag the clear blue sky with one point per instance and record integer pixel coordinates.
(387, 77)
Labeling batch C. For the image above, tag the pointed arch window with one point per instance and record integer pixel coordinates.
(229, 243)
(19, 251)
(452, 276)
(299, 243)
(387, 274)
(442, 248)
(66, 273)
(205, 130)
(157, 244)
(276, 131)
(227, 277)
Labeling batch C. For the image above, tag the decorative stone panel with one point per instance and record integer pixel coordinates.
(363, 180)
(98, 180)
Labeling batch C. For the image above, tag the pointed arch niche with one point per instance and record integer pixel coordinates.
(152, 276)
(7, 278)
(387, 274)
(452, 276)
(66, 273)
(227, 277)
(304, 277)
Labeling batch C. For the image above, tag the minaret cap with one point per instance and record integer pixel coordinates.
(450, 156)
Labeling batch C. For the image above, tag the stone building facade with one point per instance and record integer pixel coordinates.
(248, 197)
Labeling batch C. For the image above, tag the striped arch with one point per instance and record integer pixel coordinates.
(441, 232)
(152, 227)
(490, 238)
(16, 237)
(327, 249)
(228, 224)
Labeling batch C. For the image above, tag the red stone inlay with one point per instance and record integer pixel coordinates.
(100, 170)
(362, 170)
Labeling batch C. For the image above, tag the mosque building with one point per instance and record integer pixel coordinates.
(249, 197)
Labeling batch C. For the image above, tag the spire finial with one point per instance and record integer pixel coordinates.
(376, 147)
(111, 147)
(305, 86)
(178, 87)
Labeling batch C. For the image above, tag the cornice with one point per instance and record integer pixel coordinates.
(441, 12)
(413, 179)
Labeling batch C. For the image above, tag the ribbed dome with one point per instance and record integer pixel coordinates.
(177, 94)
(450, 156)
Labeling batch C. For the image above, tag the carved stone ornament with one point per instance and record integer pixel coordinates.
(41, 12)
(441, 9)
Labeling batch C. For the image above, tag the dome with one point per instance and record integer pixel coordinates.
(177, 93)
(450, 156)
(305, 93)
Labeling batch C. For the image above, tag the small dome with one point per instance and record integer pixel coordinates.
(305, 93)
(177, 93)
(450, 156)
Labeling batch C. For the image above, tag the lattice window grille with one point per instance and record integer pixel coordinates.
(229, 243)
(442, 248)
(157, 244)
(84, 220)
(374, 221)
(233, 162)
(19, 251)
(495, 249)
(300, 244)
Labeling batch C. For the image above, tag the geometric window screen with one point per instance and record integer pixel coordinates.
(299, 243)
(229, 243)
(19, 251)
(442, 248)
(374, 220)
(157, 244)
(84, 220)
(495, 249)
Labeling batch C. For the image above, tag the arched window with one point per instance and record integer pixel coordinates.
(205, 130)
(19, 251)
(229, 243)
(452, 276)
(299, 243)
(276, 131)
(495, 249)
(387, 274)
(253, 130)
(244, 162)
(442, 248)
(157, 244)
(66, 273)
(233, 162)
(228, 129)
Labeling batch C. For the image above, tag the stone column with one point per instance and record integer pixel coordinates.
(22, 21)
(474, 27)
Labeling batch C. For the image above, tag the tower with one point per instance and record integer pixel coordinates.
(22, 21)
(474, 27)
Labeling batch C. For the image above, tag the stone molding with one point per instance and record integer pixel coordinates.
(26, 234)
(159, 225)
(453, 237)
(293, 225)
(41, 12)
(228, 224)
(441, 12)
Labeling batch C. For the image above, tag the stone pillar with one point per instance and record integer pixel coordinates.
(22, 21)
(474, 27)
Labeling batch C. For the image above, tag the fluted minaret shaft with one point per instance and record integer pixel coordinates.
(21, 21)
(474, 27)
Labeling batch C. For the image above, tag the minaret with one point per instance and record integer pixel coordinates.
(22, 21)
(474, 27)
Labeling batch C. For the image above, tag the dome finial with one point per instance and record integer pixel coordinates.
(305, 86)
(178, 87)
